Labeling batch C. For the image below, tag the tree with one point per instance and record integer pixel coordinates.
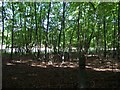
(12, 31)
(118, 47)
(2, 22)
(63, 28)
(82, 72)
(104, 27)
(40, 30)
(46, 41)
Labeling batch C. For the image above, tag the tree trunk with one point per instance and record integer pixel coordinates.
(114, 37)
(36, 28)
(31, 28)
(118, 46)
(63, 27)
(21, 25)
(2, 25)
(40, 31)
(98, 37)
(12, 31)
(25, 38)
(59, 40)
(82, 71)
(104, 28)
(70, 45)
(46, 41)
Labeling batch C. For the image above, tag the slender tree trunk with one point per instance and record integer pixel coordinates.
(55, 40)
(104, 28)
(59, 40)
(98, 37)
(46, 41)
(36, 38)
(118, 47)
(70, 45)
(31, 22)
(12, 31)
(25, 38)
(2, 25)
(54, 43)
(89, 41)
(63, 29)
(40, 31)
(114, 36)
(30, 29)
(6, 42)
(21, 25)
(21, 30)
(78, 32)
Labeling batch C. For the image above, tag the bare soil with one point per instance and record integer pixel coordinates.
(22, 75)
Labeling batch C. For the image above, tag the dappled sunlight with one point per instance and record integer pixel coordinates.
(107, 69)
(33, 64)
(21, 61)
(9, 64)
(38, 65)
(103, 69)
(89, 67)
(41, 66)
(54, 64)
(65, 64)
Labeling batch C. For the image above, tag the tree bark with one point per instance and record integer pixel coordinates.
(63, 29)
(118, 46)
(82, 71)
(104, 28)
(2, 26)
(114, 36)
(12, 31)
(36, 28)
(70, 45)
(40, 31)
(46, 41)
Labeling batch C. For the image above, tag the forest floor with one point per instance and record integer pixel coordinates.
(58, 75)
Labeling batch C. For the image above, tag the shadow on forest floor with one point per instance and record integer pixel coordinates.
(34, 74)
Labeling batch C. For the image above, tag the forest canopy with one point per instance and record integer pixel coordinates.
(60, 27)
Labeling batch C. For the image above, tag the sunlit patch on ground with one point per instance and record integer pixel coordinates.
(89, 67)
(38, 65)
(21, 61)
(10, 64)
(54, 64)
(41, 66)
(66, 64)
(103, 69)
(106, 69)
(71, 65)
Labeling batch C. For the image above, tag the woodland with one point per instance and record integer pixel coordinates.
(60, 44)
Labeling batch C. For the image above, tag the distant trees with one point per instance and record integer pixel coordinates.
(61, 26)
